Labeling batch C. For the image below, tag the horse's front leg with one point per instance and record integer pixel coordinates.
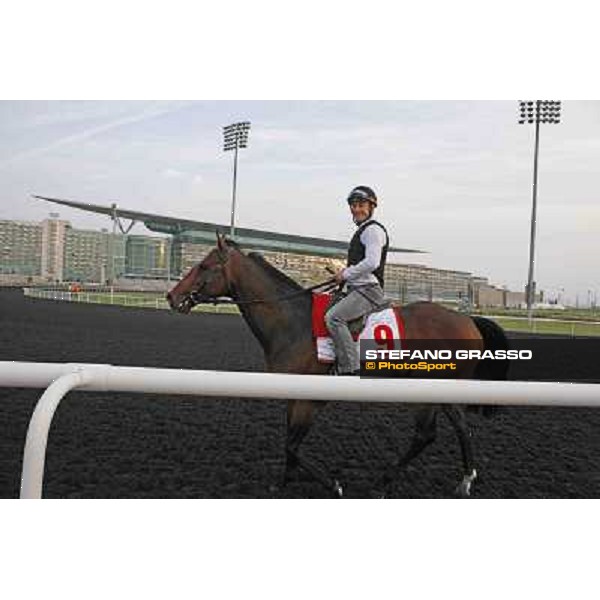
(459, 422)
(299, 421)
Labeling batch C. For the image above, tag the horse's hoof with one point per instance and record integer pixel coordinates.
(338, 491)
(463, 490)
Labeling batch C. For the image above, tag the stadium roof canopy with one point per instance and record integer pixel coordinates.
(204, 233)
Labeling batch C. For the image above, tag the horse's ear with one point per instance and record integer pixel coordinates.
(221, 243)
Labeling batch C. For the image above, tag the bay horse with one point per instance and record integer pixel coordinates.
(278, 311)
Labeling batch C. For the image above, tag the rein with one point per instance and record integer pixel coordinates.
(327, 285)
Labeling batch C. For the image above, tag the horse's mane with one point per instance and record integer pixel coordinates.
(278, 275)
(262, 262)
(233, 244)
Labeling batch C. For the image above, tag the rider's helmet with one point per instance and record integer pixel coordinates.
(362, 192)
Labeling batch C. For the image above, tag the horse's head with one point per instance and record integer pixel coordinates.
(205, 281)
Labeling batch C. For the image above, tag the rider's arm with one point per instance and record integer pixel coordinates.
(373, 238)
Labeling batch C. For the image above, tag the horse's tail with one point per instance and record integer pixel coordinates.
(489, 369)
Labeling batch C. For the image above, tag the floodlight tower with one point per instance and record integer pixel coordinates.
(538, 111)
(235, 137)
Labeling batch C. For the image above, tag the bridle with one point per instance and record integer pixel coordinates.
(196, 297)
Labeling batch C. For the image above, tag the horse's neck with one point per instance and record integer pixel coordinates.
(276, 320)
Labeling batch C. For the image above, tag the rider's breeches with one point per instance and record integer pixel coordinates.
(357, 303)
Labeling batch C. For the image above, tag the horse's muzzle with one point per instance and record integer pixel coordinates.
(183, 305)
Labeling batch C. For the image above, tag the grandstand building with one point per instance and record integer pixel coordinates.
(93, 256)
(54, 252)
(148, 258)
(405, 282)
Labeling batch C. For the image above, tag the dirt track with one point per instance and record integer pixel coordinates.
(117, 445)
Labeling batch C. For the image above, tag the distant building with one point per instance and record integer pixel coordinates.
(410, 282)
(148, 257)
(93, 256)
(489, 296)
(53, 251)
(20, 248)
(404, 282)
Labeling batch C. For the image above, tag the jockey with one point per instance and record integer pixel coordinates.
(363, 278)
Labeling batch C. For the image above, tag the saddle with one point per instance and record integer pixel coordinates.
(383, 323)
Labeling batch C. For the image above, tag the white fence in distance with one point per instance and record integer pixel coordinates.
(109, 296)
(157, 300)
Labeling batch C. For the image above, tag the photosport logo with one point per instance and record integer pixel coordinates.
(434, 360)
(536, 359)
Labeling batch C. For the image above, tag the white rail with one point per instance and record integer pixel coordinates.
(61, 378)
(130, 299)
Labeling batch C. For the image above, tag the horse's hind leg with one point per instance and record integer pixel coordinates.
(459, 423)
(425, 434)
(299, 421)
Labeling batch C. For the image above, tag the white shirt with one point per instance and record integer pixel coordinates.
(374, 240)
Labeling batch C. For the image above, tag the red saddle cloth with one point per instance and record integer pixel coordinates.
(319, 307)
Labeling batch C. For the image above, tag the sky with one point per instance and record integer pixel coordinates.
(453, 178)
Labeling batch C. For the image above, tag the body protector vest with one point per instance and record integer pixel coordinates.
(356, 251)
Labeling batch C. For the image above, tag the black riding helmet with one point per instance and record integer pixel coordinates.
(362, 192)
